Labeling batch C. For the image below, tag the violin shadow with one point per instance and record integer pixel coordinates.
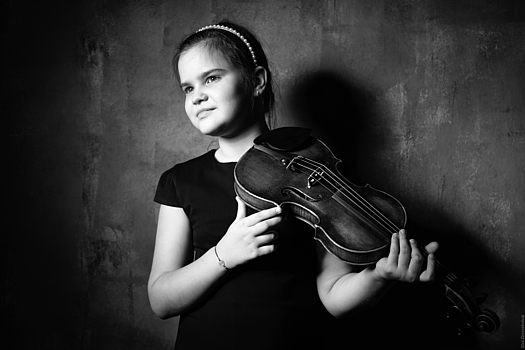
(346, 117)
(335, 110)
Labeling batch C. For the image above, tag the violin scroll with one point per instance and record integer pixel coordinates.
(467, 306)
(487, 321)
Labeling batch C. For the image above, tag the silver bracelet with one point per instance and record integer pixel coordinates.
(221, 262)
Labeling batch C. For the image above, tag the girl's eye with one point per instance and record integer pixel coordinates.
(211, 79)
(187, 90)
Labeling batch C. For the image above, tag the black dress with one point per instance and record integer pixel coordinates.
(269, 303)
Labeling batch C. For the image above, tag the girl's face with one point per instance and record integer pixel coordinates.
(217, 102)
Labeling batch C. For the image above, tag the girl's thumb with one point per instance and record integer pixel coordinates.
(241, 209)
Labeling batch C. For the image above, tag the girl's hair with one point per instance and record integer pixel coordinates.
(236, 51)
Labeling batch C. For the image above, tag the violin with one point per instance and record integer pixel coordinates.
(288, 167)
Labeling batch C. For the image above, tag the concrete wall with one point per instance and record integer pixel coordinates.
(423, 99)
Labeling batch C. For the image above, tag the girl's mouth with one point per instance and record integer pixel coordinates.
(204, 113)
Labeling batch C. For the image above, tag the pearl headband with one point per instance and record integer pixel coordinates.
(228, 29)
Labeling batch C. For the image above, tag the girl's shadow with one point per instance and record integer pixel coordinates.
(345, 117)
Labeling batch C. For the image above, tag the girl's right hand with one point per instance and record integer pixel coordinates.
(249, 237)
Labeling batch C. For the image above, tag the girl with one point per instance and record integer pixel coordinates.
(216, 264)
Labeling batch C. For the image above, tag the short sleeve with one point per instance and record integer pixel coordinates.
(166, 189)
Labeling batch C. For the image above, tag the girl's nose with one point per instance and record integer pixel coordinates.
(198, 97)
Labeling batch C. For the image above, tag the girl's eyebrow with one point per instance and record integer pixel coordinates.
(205, 74)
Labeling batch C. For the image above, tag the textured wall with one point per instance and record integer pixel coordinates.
(423, 99)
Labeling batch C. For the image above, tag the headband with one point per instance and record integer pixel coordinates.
(228, 29)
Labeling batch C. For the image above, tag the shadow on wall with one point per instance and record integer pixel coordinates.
(345, 116)
(334, 110)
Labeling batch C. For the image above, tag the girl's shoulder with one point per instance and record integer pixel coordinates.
(179, 176)
(194, 163)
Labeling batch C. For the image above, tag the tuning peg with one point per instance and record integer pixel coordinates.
(481, 298)
(470, 281)
(463, 330)
(452, 312)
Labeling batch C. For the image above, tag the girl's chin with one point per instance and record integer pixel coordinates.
(203, 126)
(209, 130)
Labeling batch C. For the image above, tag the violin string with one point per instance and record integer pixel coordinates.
(331, 184)
(359, 201)
(373, 211)
(451, 278)
(365, 205)
(362, 205)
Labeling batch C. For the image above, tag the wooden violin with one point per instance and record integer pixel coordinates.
(288, 167)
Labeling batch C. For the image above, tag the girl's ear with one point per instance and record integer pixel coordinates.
(260, 80)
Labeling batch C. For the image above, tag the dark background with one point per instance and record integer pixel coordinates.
(422, 99)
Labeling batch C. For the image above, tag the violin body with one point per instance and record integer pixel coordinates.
(298, 183)
(287, 167)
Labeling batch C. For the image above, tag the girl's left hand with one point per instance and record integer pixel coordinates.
(405, 261)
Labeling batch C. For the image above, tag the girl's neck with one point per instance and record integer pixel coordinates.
(232, 148)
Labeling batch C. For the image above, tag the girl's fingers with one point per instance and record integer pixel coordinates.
(267, 249)
(405, 260)
(392, 259)
(416, 262)
(404, 250)
(432, 247)
(428, 274)
(264, 226)
(264, 243)
(261, 216)
(267, 237)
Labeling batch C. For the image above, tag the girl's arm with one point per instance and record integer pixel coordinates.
(344, 291)
(176, 283)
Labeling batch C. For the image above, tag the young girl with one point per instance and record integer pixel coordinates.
(240, 280)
